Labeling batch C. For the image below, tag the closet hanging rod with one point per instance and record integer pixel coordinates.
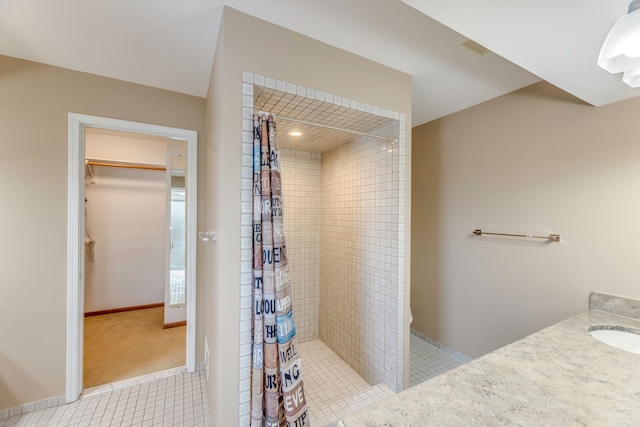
(320, 125)
(124, 165)
(551, 237)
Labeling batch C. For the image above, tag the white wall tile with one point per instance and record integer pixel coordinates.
(247, 89)
(247, 77)
(301, 190)
(359, 295)
(342, 228)
(270, 83)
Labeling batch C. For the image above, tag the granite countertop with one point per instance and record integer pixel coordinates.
(560, 375)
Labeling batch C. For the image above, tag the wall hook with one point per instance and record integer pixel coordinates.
(208, 236)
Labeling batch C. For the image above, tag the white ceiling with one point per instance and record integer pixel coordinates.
(167, 44)
(170, 44)
(559, 41)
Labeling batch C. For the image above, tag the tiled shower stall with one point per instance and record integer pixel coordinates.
(344, 224)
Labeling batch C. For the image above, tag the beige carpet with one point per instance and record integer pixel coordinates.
(128, 344)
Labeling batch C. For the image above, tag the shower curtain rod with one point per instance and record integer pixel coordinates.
(353, 132)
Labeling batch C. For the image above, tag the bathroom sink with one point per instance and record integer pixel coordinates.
(627, 339)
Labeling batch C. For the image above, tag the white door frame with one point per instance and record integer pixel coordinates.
(75, 237)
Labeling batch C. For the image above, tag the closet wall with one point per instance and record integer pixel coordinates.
(126, 215)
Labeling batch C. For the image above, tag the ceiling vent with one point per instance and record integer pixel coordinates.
(476, 48)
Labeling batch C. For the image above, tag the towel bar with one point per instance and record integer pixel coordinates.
(551, 237)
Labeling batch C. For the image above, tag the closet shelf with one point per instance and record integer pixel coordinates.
(123, 164)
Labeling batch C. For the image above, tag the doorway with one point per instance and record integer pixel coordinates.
(76, 236)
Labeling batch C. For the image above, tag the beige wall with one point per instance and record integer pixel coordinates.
(533, 161)
(221, 281)
(34, 104)
(292, 58)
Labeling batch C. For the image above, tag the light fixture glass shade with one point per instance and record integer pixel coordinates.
(621, 49)
(632, 77)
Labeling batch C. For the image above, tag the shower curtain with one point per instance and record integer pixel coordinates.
(276, 378)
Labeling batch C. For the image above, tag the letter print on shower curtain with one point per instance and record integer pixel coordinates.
(277, 393)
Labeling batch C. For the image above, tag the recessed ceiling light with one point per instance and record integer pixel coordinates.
(295, 133)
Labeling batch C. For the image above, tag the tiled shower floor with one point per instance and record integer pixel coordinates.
(428, 361)
(332, 388)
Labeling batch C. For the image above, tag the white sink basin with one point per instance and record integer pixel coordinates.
(627, 339)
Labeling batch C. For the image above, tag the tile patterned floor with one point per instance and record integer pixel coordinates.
(179, 400)
(428, 361)
(332, 388)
